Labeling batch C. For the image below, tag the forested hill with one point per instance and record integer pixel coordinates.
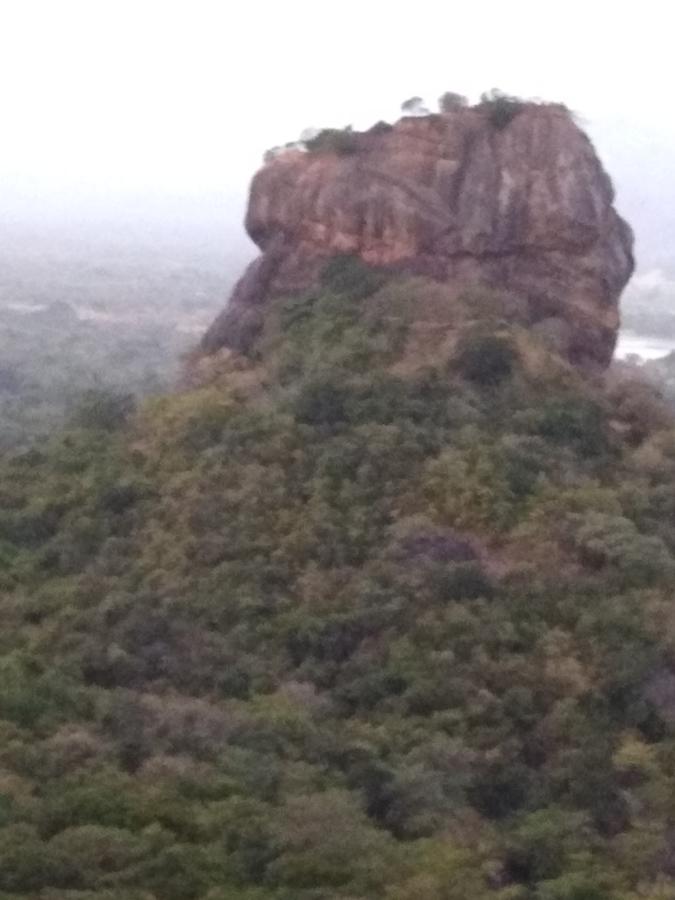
(89, 307)
(383, 612)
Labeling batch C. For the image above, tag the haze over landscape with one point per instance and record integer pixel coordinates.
(144, 122)
(109, 108)
(337, 562)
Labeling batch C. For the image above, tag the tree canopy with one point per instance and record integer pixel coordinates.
(358, 618)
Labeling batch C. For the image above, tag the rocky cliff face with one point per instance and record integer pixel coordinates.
(524, 206)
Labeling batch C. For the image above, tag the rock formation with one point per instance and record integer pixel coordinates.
(522, 205)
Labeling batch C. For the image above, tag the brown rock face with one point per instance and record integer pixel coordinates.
(525, 207)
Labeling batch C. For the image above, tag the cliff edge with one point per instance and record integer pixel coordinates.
(520, 203)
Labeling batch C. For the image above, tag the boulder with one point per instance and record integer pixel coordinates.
(518, 203)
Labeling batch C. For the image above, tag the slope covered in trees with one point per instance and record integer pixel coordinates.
(378, 614)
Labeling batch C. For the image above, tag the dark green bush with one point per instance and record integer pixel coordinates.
(380, 128)
(450, 101)
(342, 141)
(103, 410)
(501, 108)
(572, 421)
(322, 401)
(414, 106)
(347, 274)
(485, 359)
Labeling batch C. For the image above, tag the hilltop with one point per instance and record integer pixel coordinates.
(506, 194)
(381, 608)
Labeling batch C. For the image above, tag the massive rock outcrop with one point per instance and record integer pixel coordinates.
(521, 205)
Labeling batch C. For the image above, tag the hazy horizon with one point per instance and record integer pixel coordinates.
(138, 110)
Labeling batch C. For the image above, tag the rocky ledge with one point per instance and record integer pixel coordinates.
(519, 203)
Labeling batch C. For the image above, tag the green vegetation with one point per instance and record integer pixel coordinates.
(69, 326)
(333, 140)
(501, 108)
(414, 106)
(380, 127)
(450, 101)
(486, 358)
(357, 619)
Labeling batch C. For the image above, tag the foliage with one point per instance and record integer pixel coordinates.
(70, 327)
(414, 106)
(485, 358)
(380, 127)
(376, 625)
(450, 101)
(102, 409)
(333, 140)
(346, 274)
(501, 108)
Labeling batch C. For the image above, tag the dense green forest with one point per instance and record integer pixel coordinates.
(52, 359)
(109, 311)
(114, 310)
(383, 612)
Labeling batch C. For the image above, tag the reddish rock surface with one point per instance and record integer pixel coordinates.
(526, 207)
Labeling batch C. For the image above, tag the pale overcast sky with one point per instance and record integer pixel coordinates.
(185, 95)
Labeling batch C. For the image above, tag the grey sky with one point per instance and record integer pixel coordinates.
(108, 96)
